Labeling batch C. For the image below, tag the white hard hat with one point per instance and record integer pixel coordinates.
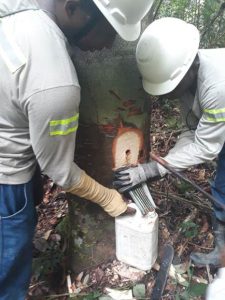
(165, 52)
(125, 15)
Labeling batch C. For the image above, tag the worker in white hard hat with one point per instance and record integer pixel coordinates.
(173, 66)
(39, 115)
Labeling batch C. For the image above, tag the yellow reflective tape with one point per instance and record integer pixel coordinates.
(64, 121)
(215, 120)
(66, 132)
(214, 111)
(215, 115)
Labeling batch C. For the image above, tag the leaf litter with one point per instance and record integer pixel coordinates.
(108, 278)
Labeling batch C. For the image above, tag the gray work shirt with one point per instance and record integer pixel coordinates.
(40, 97)
(204, 113)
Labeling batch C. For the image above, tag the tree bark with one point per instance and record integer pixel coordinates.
(113, 132)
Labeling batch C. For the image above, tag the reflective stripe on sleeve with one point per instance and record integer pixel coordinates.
(215, 115)
(10, 52)
(65, 126)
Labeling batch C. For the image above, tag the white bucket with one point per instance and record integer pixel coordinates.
(137, 239)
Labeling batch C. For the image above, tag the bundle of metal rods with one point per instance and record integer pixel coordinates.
(143, 199)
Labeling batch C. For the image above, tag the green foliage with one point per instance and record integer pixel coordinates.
(193, 290)
(172, 120)
(47, 261)
(189, 229)
(207, 15)
(52, 256)
(139, 291)
(183, 187)
(92, 296)
(63, 228)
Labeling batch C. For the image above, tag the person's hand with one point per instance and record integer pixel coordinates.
(129, 212)
(126, 178)
(109, 199)
(119, 203)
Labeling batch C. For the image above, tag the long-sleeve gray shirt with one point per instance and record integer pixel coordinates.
(204, 113)
(40, 97)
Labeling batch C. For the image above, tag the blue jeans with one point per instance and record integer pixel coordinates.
(17, 224)
(218, 186)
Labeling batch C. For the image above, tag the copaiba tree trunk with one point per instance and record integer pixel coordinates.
(113, 132)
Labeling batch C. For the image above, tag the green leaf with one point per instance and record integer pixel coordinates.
(92, 296)
(139, 291)
(185, 295)
(183, 187)
(177, 297)
(197, 289)
(190, 229)
(172, 122)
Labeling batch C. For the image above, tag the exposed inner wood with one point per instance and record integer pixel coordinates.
(128, 147)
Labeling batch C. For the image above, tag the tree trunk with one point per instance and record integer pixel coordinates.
(113, 132)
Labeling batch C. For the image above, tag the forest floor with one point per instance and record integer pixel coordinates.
(184, 222)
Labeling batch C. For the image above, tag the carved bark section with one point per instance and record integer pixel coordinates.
(112, 100)
(128, 147)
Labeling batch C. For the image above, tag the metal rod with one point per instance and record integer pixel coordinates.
(165, 164)
(148, 195)
(139, 205)
(138, 198)
(144, 198)
(141, 200)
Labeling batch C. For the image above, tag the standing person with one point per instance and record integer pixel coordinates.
(173, 66)
(39, 115)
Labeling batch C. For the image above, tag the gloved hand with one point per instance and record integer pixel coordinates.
(128, 177)
(109, 199)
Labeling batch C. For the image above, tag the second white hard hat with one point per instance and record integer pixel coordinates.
(125, 15)
(165, 52)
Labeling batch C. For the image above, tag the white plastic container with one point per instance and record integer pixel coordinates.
(137, 239)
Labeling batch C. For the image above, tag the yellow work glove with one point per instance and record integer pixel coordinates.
(110, 200)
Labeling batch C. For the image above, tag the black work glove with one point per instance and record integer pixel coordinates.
(128, 177)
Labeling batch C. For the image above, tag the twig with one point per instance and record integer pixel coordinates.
(183, 247)
(201, 247)
(69, 284)
(175, 173)
(36, 284)
(208, 273)
(168, 141)
(165, 214)
(195, 202)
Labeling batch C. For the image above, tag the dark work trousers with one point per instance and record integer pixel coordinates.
(218, 186)
(17, 224)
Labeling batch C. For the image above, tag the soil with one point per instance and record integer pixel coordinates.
(176, 201)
